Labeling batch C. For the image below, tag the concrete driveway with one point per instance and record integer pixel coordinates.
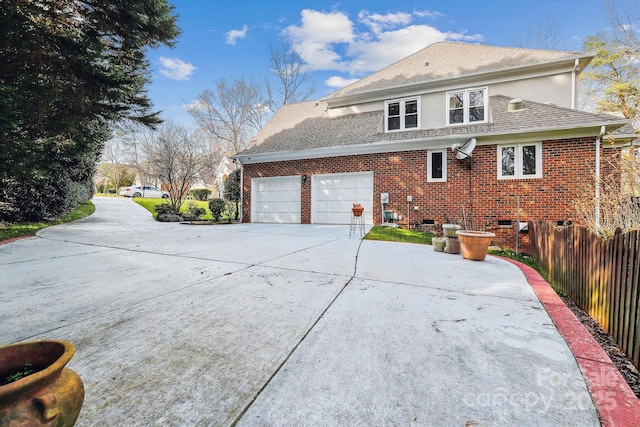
(285, 325)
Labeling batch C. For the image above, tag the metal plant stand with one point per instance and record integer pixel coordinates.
(357, 222)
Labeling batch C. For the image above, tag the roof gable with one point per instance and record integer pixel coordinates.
(450, 60)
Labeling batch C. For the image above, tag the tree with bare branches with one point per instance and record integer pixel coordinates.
(616, 207)
(624, 17)
(547, 35)
(233, 113)
(114, 165)
(294, 84)
(176, 158)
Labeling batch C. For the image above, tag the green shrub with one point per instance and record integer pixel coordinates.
(164, 208)
(194, 212)
(201, 194)
(216, 206)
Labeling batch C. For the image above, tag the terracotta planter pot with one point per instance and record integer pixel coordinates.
(474, 244)
(51, 396)
(357, 211)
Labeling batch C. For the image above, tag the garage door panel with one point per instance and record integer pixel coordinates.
(276, 200)
(333, 197)
(335, 218)
(362, 194)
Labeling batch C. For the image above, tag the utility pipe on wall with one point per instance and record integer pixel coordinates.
(574, 83)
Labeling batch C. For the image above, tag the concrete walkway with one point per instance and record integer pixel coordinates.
(285, 325)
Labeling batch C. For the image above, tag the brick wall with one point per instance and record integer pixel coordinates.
(475, 193)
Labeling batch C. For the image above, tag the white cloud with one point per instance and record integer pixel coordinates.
(338, 82)
(316, 37)
(391, 46)
(333, 41)
(176, 69)
(234, 35)
(195, 105)
(428, 14)
(377, 23)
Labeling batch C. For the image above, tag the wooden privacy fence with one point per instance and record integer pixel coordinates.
(601, 276)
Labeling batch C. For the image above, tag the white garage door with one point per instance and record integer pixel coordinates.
(276, 199)
(333, 196)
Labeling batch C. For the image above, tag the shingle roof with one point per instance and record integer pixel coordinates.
(307, 126)
(451, 60)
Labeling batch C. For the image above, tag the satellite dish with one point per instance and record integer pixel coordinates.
(464, 150)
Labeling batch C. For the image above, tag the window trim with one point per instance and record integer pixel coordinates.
(518, 160)
(465, 106)
(430, 178)
(402, 116)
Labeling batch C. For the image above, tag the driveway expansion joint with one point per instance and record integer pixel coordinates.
(295, 347)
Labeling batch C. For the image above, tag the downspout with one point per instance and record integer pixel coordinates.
(597, 207)
(574, 83)
(237, 163)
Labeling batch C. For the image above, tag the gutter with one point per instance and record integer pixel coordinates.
(409, 144)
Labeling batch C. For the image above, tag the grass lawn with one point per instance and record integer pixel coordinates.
(150, 204)
(391, 234)
(20, 230)
(508, 253)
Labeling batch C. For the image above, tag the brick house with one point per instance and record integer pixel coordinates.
(405, 131)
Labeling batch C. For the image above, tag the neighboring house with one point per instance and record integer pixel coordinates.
(393, 132)
(225, 167)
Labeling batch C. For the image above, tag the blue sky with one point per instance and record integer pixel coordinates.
(341, 41)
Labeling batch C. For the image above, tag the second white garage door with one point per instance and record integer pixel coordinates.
(333, 196)
(276, 199)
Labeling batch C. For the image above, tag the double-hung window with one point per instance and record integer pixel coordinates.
(467, 106)
(436, 165)
(402, 114)
(518, 161)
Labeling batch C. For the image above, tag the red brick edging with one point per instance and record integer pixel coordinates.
(614, 400)
(4, 242)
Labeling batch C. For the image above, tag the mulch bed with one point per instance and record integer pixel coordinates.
(617, 356)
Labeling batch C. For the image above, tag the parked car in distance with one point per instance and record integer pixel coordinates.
(143, 191)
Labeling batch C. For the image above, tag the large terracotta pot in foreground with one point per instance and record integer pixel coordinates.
(474, 244)
(51, 396)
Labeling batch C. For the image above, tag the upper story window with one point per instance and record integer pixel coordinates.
(467, 106)
(402, 114)
(517, 161)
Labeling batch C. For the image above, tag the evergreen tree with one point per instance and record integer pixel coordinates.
(68, 72)
(232, 190)
(613, 76)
